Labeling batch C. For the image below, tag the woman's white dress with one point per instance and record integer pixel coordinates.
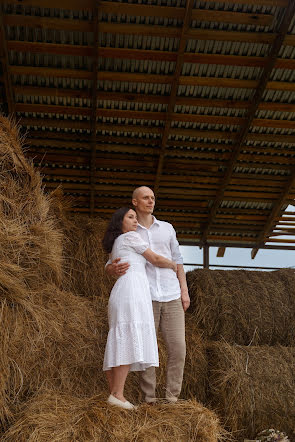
(132, 337)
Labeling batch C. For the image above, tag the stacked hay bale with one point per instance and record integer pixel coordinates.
(51, 339)
(48, 336)
(248, 321)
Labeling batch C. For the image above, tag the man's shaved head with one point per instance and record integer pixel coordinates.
(138, 191)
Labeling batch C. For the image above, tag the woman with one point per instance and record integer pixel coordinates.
(132, 342)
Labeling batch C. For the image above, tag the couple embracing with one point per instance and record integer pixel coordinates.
(150, 292)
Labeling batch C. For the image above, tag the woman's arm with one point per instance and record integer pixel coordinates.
(159, 260)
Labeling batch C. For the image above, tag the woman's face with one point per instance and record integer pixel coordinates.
(129, 222)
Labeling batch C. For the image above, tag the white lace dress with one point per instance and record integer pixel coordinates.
(132, 337)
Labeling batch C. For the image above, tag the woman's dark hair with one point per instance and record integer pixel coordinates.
(114, 228)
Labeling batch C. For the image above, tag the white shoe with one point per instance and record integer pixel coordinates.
(114, 401)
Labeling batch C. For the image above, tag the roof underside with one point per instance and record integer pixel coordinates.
(194, 99)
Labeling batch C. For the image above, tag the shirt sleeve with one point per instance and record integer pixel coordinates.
(134, 240)
(174, 244)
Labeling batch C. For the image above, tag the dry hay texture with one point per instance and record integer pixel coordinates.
(57, 417)
(244, 307)
(53, 313)
(253, 387)
(48, 337)
(83, 256)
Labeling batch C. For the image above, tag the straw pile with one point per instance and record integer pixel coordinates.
(51, 340)
(47, 336)
(253, 387)
(59, 417)
(83, 256)
(244, 307)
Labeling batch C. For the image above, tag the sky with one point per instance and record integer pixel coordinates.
(240, 257)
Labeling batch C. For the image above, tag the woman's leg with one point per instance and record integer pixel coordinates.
(119, 377)
(110, 378)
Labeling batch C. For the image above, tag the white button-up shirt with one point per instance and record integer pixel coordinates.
(161, 237)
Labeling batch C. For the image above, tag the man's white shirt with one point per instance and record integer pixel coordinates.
(161, 237)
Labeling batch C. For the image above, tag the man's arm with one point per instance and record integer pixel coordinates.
(116, 269)
(185, 299)
(176, 256)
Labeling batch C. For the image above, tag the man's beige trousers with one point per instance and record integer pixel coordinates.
(170, 317)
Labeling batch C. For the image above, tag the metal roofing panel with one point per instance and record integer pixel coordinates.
(227, 48)
(215, 92)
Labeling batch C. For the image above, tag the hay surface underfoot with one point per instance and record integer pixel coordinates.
(56, 417)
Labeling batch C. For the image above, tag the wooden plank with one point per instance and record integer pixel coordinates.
(274, 3)
(144, 115)
(4, 60)
(75, 5)
(94, 94)
(50, 72)
(134, 29)
(50, 48)
(141, 54)
(48, 23)
(43, 122)
(148, 78)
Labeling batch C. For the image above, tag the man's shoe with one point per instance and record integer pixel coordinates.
(126, 405)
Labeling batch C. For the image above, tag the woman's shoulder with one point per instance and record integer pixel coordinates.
(132, 235)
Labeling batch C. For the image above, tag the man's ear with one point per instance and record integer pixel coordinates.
(134, 202)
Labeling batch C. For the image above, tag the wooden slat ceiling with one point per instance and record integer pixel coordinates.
(195, 99)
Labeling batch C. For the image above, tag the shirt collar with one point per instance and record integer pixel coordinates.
(155, 222)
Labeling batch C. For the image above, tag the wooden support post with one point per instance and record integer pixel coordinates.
(206, 256)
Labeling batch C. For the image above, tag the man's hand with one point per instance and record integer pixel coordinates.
(185, 299)
(116, 268)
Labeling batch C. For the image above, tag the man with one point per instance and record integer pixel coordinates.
(169, 293)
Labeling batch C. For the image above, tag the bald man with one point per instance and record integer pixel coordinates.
(169, 293)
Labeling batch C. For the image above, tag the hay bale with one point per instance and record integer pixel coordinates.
(253, 388)
(53, 416)
(83, 256)
(31, 245)
(47, 336)
(244, 307)
(59, 345)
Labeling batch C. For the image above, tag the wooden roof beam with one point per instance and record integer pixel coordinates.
(137, 10)
(94, 109)
(150, 115)
(150, 30)
(146, 98)
(283, 29)
(5, 67)
(185, 80)
(275, 213)
(141, 54)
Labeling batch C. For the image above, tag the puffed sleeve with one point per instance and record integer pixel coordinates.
(134, 240)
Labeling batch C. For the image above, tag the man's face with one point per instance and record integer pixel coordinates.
(144, 201)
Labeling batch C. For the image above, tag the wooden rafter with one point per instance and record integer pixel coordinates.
(275, 214)
(184, 80)
(146, 98)
(150, 30)
(275, 49)
(5, 67)
(94, 108)
(141, 54)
